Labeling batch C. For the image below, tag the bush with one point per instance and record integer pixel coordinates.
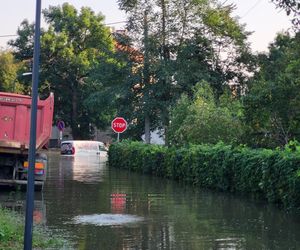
(202, 120)
(12, 232)
(270, 174)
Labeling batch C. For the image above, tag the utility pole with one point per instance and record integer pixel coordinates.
(32, 144)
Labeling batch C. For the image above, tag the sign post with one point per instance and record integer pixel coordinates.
(61, 126)
(32, 144)
(119, 125)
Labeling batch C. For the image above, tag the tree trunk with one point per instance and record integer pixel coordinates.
(147, 129)
(146, 80)
(74, 125)
(166, 80)
(166, 52)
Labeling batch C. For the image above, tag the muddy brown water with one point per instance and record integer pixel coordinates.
(99, 207)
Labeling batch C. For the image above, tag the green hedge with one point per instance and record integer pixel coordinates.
(270, 174)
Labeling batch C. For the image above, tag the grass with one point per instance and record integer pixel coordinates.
(12, 234)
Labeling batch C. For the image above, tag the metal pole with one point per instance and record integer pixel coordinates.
(32, 144)
(118, 137)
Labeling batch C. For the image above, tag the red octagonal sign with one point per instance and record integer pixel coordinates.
(119, 125)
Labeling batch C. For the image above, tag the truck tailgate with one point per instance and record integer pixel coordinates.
(15, 111)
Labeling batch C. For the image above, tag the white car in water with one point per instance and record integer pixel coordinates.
(83, 148)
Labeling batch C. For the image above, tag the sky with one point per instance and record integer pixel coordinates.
(260, 17)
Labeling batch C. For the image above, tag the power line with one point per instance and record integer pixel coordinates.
(8, 35)
(3, 36)
(254, 6)
(116, 22)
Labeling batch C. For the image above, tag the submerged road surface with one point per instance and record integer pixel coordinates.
(97, 207)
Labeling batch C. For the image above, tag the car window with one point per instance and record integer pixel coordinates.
(66, 148)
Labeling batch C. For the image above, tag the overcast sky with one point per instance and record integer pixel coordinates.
(259, 16)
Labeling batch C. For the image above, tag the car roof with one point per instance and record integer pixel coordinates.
(83, 141)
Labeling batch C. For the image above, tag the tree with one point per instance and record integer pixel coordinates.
(72, 46)
(9, 69)
(186, 41)
(291, 7)
(120, 87)
(24, 43)
(272, 103)
(23, 52)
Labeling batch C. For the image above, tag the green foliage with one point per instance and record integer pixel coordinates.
(291, 7)
(24, 43)
(181, 48)
(271, 175)
(10, 227)
(222, 24)
(9, 69)
(121, 86)
(272, 102)
(203, 121)
(161, 58)
(12, 230)
(74, 43)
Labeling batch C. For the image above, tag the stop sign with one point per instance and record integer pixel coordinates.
(119, 125)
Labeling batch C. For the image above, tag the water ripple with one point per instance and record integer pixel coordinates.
(106, 219)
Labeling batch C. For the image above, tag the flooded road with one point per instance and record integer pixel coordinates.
(97, 207)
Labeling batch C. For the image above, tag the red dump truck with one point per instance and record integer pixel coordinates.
(15, 111)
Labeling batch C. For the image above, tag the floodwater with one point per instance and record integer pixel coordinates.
(99, 207)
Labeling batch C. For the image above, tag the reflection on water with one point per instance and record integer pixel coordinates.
(107, 219)
(118, 203)
(81, 168)
(16, 201)
(174, 216)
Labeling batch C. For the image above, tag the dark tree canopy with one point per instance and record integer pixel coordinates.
(272, 103)
(292, 7)
(74, 43)
(183, 42)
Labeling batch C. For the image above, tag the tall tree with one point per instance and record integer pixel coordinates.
(272, 103)
(74, 43)
(121, 85)
(23, 52)
(189, 41)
